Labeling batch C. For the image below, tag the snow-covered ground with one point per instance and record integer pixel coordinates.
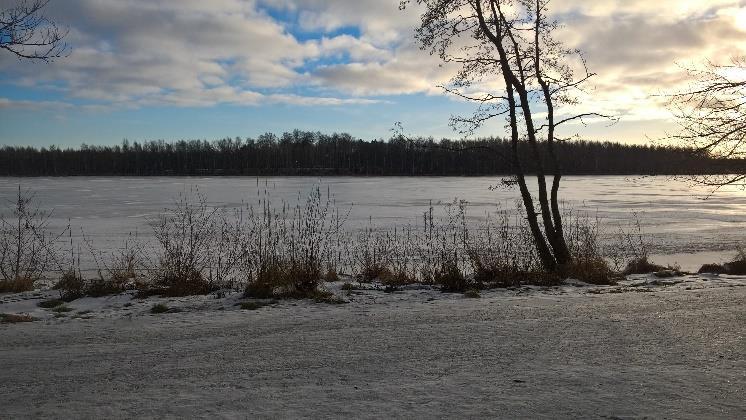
(660, 348)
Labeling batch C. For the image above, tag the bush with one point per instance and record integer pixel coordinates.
(71, 286)
(451, 279)
(27, 248)
(175, 284)
(736, 268)
(641, 266)
(331, 275)
(591, 270)
(395, 280)
(17, 285)
(106, 287)
(285, 280)
(712, 269)
(493, 273)
(193, 240)
(738, 265)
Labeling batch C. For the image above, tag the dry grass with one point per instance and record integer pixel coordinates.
(642, 266)
(71, 286)
(472, 294)
(288, 250)
(16, 318)
(712, 269)
(51, 303)
(159, 308)
(738, 265)
(17, 285)
(591, 270)
(451, 279)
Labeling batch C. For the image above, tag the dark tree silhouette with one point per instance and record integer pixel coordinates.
(712, 117)
(511, 41)
(28, 34)
(311, 153)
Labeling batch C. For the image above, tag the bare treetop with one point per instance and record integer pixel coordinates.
(467, 32)
(712, 116)
(27, 33)
(512, 43)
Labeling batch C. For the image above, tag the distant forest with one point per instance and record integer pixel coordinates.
(311, 153)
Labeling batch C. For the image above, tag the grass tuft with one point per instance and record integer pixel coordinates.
(51, 303)
(591, 270)
(16, 318)
(451, 279)
(62, 309)
(472, 294)
(159, 308)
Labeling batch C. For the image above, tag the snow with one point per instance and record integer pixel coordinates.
(674, 351)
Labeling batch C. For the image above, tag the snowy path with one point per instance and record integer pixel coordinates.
(672, 353)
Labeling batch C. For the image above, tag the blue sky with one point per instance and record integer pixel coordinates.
(159, 69)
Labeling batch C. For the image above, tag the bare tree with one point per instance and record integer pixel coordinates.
(711, 115)
(27, 247)
(27, 33)
(511, 42)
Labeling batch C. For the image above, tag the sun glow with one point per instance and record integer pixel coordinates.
(740, 17)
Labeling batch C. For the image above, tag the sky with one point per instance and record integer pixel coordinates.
(197, 69)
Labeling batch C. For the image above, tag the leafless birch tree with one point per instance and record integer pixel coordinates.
(509, 45)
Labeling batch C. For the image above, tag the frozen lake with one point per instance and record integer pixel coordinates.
(683, 226)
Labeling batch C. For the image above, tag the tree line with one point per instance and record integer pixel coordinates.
(312, 153)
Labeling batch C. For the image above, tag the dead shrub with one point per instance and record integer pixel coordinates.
(451, 279)
(175, 284)
(284, 249)
(71, 286)
(591, 270)
(641, 266)
(738, 265)
(192, 251)
(27, 248)
(285, 280)
(712, 269)
(331, 275)
(394, 279)
(105, 287)
(491, 273)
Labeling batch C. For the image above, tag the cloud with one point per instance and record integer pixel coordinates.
(6, 103)
(196, 53)
(186, 53)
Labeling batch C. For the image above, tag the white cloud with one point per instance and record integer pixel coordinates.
(201, 53)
